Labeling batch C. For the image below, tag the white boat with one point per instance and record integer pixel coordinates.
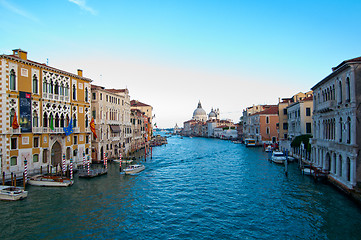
(134, 169)
(307, 171)
(278, 157)
(10, 193)
(237, 142)
(50, 181)
(268, 148)
(250, 142)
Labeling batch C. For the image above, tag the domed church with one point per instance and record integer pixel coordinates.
(199, 114)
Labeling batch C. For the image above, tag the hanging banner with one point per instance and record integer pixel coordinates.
(25, 111)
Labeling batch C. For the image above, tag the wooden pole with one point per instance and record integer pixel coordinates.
(286, 164)
(3, 178)
(51, 170)
(12, 179)
(41, 170)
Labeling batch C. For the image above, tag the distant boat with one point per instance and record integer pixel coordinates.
(10, 193)
(250, 142)
(278, 157)
(268, 148)
(83, 173)
(134, 169)
(50, 181)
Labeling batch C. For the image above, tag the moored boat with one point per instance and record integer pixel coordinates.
(278, 157)
(83, 173)
(250, 142)
(134, 169)
(50, 181)
(10, 193)
(268, 148)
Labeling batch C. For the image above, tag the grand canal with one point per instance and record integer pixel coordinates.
(193, 188)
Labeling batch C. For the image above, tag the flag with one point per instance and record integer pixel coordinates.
(69, 129)
(92, 127)
(52, 123)
(15, 123)
(155, 125)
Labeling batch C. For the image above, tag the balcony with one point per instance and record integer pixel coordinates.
(115, 139)
(326, 106)
(15, 131)
(37, 129)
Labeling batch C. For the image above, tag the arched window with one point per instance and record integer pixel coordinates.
(35, 84)
(348, 130)
(340, 130)
(12, 114)
(348, 90)
(61, 90)
(56, 90)
(35, 119)
(36, 158)
(348, 169)
(267, 130)
(45, 120)
(333, 92)
(340, 92)
(62, 120)
(68, 151)
(51, 87)
(339, 172)
(12, 80)
(66, 90)
(74, 121)
(45, 86)
(56, 120)
(86, 94)
(86, 121)
(74, 92)
(45, 156)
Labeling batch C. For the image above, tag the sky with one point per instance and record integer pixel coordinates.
(171, 54)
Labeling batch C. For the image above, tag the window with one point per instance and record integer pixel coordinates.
(74, 92)
(51, 89)
(267, 130)
(45, 87)
(86, 94)
(14, 143)
(87, 139)
(68, 153)
(94, 114)
(36, 142)
(285, 136)
(75, 140)
(56, 90)
(94, 96)
(86, 121)
(45, 156)
(348, 130)
(285, 111)
(340, 92)
(12, 114)
(13, 161)
(267, 119)
(87, 151)
(35, 119)
(348, 90)
(12, 80)
(285, 126)
(35, 84)
(101, 96)
(36, 158)
(308, 128)
(45, 120)
(106, 98)
(340, 128)
(308, 111)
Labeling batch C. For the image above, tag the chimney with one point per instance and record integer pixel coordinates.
(80, 72)
(21, 54)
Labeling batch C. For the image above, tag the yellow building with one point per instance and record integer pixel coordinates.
(147, 110)
(44, 100)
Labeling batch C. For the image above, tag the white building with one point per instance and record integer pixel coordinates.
(335, 146)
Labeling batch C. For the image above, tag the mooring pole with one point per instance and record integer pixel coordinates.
(286, 164)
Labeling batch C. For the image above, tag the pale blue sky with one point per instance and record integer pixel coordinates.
(171, 54)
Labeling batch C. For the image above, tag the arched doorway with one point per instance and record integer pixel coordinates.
(101, 153)
(56, 154)
(328, 162)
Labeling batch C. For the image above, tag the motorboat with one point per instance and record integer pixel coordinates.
(50, 181)
(278, 157)
(237, 142)
(268, 148)
(132, 169)
(83, 173)
(250, 142)
(10, 193)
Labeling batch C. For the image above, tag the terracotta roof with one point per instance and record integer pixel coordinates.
(269, 110)
(116, 90)
(136, 103)
(308, 98)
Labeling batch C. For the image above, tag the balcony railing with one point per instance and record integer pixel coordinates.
(15, 131)
(326, 106)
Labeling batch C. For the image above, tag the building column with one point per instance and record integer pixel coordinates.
(353, 171)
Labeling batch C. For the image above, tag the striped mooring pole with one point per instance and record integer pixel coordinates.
(64, 167)
(84, 163)
(25, 170)
(106, 161)
(88, 166)
(120, 160)
(71, 168)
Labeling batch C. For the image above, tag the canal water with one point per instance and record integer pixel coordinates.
(193, 188)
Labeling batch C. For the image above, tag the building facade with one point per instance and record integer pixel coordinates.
(263, 125)
(337, 131)
(43, 101)
(111, 113)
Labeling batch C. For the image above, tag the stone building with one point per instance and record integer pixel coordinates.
(45, 102)
(337, 131)
(111, 113)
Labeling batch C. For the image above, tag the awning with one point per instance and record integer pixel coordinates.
(115, 128)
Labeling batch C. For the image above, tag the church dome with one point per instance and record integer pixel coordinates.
(199, 113)
(212, 114)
